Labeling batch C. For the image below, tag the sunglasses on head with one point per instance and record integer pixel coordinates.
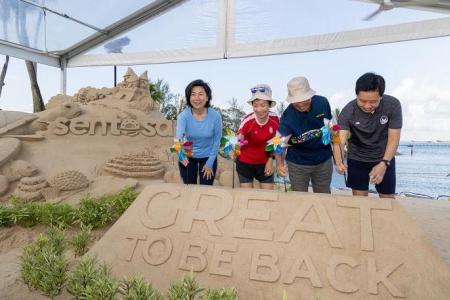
(260, 89)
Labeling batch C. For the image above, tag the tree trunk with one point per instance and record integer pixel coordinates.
(2, 76)
(38, 103)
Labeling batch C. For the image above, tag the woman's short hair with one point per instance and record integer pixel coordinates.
(201, 83)
(370, 82)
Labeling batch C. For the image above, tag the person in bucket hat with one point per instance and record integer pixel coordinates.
(257, 128)
(307, 160)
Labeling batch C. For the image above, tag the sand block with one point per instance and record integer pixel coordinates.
(265, 242)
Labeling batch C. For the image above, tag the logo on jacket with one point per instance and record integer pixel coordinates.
(270, 130)
(383, 120)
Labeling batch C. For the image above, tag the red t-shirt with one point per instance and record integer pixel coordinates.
(257, 137)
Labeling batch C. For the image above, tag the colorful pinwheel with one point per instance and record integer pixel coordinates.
(231, 143)
(330, 132)
(278, 143)
(183, 148)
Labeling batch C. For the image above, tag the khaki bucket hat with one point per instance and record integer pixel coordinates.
(299, 90)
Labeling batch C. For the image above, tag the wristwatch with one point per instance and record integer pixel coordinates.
(386, 162)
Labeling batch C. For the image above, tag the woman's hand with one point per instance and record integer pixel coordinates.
(268, 170)
(184, 162)
(281, 169)
(207, 172)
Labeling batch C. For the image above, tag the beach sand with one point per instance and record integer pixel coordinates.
(432, 216)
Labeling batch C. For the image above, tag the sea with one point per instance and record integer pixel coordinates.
(423, 170)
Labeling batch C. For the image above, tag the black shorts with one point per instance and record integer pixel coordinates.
(248, 172)
(358, 176)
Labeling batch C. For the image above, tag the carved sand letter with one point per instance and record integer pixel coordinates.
(365, 207)
(115, 127)
(376, 277)
(79, 127)
(295, 271)
(60, 126)
(103, 124)
(341, 285)
(221, 209)
(194, 249)
(245, 213)
(324, 226)
(135, 238)
(219, 257)
(149, 129)
(161, 257)
(155, 219)
(264, 259)
(164, 128)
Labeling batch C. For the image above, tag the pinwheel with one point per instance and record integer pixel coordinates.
(278, 143)
(183, 148)
(329, 132)
(232, 143)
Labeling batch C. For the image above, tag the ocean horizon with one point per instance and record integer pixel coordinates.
(422, 168)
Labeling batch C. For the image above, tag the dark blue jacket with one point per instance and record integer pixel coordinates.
(294, 122)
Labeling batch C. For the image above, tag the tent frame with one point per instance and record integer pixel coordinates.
(226, 46)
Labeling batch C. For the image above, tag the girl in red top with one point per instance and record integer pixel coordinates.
(257, 128)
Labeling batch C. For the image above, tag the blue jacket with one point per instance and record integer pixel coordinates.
(205, 134)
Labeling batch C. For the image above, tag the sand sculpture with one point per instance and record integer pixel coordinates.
(69, 180)
(107, 129)
(16, 124)
(266, 242)
(12, 170)
(135, 165)
(30, 188)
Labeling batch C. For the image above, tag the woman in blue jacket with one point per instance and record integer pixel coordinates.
(202, 125)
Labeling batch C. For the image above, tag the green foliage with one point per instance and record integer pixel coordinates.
(220, 294)
(43, 265)
(136, 288)
(90, 281)
(31, 214)
(93, 213)
(231, 116)
(104, 287)
(171, 104)
(5, 216)
(185, 289)
(159, 90)
(59, 215)
(80, 240)
(82, 276)
(121, 201)
(25, 214)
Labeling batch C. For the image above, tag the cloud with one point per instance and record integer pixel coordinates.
(339, 100)
(426, 110)
(425, 106)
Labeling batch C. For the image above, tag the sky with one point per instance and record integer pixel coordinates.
(416, 72)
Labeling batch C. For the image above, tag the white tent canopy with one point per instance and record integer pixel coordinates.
(76, 33)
